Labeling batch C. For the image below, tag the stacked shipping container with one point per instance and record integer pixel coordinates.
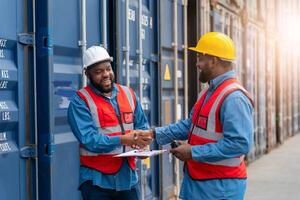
(41, 59)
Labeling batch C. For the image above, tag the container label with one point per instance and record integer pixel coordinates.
(145, 106)
(3, 136)
(3, 105)
(143, 34)
(167, 75)
(151, 24)
(5, 116)
(131, 14)
(5, 147)
(2, 53)
(3, 84)
(3, 42)
(145, 20)
(4, 73)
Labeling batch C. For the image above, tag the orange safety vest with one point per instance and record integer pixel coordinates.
(207, 128)
(110, 124)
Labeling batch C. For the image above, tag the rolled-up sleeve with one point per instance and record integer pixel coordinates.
(237, 121)
(85, 130)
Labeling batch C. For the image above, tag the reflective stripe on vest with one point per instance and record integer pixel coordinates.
(230, 162)
(202, 93)
(211, 121)
(129, 96)
(210, 135)
(84, 152)
(115, 129)
(212, 114)
(92, 105)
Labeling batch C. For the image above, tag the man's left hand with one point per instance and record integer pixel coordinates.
(183, 152)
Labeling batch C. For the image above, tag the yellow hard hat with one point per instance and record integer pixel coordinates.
(216, 44)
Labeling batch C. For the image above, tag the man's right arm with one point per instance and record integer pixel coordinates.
(85, 130)
(178, 131)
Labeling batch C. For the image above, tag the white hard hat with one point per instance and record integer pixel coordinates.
(94, 55)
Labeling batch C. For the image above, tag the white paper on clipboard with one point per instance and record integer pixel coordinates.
(141, 153)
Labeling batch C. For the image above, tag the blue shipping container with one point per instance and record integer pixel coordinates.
(14, 126)
(41, 46)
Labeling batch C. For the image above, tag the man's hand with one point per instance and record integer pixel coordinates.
(145, 134)
(136, 138)
(183, 152)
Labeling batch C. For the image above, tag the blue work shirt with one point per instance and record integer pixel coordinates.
(237, 120)
(85, 130)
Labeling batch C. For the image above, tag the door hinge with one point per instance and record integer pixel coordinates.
(26, 38)
(29, 151)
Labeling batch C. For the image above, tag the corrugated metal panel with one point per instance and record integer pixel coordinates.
(237, 36)
(143, 77)
(171, 96)
(59, 68)
(289, 82)
(250, 82)
(148, 78)
(270, 92)
(285, 92)
(295, 92)
(271, 81)
(16, 182)
(279, 97)
(298, 72)
(284, 9)
(252, 9)
(256, 10)
(229, 22)
(261, 90)
(65, 81)
(271, 14)
(203, 17)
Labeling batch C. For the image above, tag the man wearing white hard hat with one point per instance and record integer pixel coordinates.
(103, 116)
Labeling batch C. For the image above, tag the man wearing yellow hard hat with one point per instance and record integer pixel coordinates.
(219, 129)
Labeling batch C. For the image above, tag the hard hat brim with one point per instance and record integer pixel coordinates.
(194, 49)
(198, 51)
(111, 59)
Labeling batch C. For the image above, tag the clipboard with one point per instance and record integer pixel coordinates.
(141, 153)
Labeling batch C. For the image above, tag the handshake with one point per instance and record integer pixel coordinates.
(137, 139)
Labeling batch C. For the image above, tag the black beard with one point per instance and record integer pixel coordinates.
(203, 77)
(101, 89)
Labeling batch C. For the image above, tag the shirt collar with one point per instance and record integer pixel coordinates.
(113, 93)
(219, 79)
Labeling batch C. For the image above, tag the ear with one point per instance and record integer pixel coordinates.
(86, 72)
(210, 62)
(215, 60)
